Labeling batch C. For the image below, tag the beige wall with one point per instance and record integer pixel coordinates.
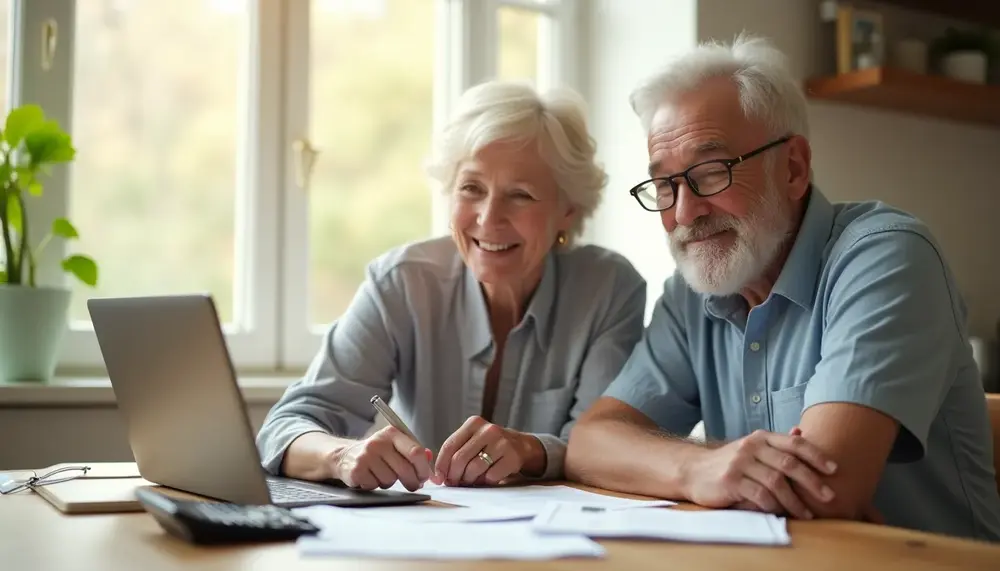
(39, 437)
(943, 173)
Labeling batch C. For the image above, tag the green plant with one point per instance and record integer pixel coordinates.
(29, 145)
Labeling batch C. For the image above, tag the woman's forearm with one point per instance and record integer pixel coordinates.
(314, 456)
(535, 457)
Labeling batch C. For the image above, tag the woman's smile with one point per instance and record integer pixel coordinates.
(495, 248)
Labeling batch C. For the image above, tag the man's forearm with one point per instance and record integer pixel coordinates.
(859, 439)
(620, 455)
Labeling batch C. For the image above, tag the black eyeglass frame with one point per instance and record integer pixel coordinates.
(728, 163)
(44, 480)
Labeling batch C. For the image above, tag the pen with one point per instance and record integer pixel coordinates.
(392, 418)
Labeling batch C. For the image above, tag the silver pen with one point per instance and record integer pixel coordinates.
(392, 418)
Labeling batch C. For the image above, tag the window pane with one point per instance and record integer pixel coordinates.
(5, 54)
(155, 122)
(517, 52)
(370, 113)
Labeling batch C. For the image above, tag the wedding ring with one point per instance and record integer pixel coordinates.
(486, 458)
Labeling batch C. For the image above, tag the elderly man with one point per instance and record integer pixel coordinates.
(823, 345)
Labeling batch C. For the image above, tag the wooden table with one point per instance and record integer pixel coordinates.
(34, 536)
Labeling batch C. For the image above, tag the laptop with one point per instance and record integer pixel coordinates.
(186, 420)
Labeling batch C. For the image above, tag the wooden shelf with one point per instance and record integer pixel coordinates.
(974, 11)
(927, 95)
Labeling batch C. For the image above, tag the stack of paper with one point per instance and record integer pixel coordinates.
(346, 534)
(523, 522)
(718, 526)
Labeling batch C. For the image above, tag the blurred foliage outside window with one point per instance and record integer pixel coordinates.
(155, 102)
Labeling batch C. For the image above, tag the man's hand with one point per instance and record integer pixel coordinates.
(755, 471)
(868, 515)
(381, 459)
(511, 452)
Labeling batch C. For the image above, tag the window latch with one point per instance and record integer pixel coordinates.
(50, 32)
(305, 158)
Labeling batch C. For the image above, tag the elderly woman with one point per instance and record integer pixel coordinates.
(491, 341)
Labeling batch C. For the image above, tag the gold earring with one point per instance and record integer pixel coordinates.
(561, 239)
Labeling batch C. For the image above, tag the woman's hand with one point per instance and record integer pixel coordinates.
(507, 453)
(381, 459)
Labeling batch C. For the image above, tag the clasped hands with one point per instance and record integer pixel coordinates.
(767, 472)
(389, 455)
(757, 473)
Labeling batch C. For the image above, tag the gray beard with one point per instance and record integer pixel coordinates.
(714, 270)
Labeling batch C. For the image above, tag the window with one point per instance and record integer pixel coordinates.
(153, 188)
(518, 44)
(371, 72)
(5, 41)
(264, 152)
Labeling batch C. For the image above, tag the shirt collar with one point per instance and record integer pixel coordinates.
(797, 280)
(477, 335)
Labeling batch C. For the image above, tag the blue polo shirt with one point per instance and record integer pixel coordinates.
(864, 311)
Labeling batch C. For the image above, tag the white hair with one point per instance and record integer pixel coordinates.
(516, 112)
(768, 92)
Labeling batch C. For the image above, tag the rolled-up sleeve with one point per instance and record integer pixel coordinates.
(658, 379)
(619, 331)
(892, 316)
(357, 359)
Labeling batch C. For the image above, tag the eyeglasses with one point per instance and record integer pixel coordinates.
(704, 179)
(64, 474)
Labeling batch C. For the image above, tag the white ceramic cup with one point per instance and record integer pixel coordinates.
(965, 66)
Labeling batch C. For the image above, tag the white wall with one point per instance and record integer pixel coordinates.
(944, 172)
(626, 40)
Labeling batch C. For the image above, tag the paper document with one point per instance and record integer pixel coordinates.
(530, 497)
(320, 515)
(716, 526)
(346, 534)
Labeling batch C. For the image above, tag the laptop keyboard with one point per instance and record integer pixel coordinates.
(285, 491)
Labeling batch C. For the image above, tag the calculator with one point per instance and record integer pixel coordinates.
(206, 522)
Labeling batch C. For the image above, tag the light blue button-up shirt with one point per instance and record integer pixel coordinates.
(418, 332)
(864, 311)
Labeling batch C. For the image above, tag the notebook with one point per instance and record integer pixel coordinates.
(107, 487)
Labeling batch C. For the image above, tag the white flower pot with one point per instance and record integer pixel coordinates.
(965, 66)
(33, 322)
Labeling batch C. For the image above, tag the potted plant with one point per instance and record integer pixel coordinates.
(965, 55)
(33, 317)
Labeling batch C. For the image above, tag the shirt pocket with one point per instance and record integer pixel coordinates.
(786, 407)
(548, 410)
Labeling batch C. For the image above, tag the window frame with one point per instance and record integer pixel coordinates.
(252, 336)
(271, 330)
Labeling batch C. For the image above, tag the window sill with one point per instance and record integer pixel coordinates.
(96, 391)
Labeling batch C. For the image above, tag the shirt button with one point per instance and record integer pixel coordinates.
(755, 399)
(755, 346)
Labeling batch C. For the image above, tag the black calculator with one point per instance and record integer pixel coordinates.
(204, 522)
